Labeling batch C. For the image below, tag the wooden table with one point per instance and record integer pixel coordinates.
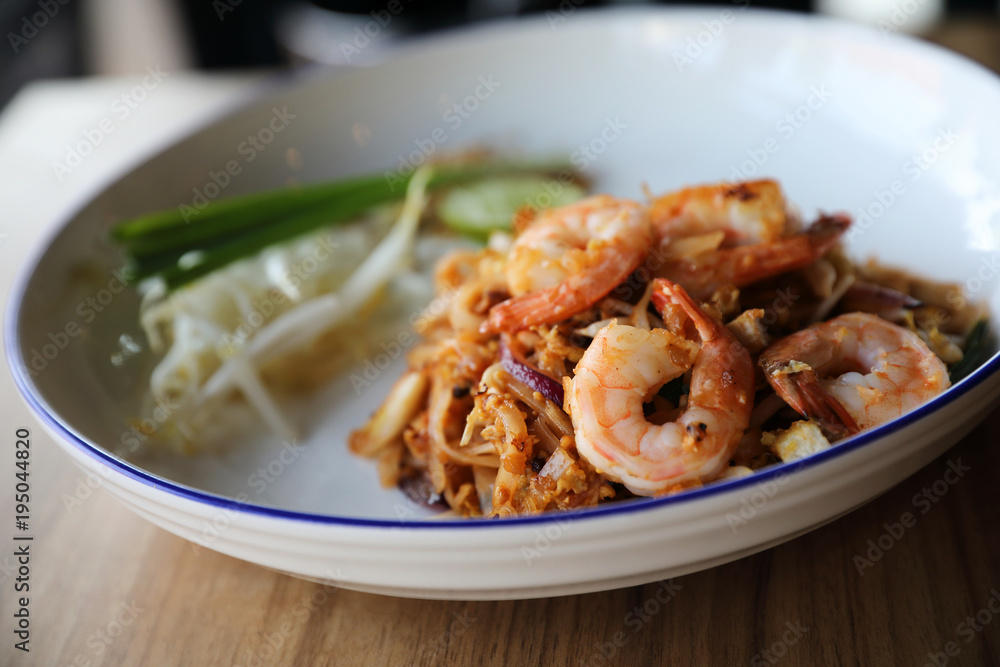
(108, 588)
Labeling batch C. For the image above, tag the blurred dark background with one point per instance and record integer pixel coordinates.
(70, 38)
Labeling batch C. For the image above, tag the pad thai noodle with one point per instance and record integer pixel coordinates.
(610, 348)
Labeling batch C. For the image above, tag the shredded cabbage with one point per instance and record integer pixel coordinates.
(219, 331)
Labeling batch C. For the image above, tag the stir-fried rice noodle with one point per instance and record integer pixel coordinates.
(496, 444)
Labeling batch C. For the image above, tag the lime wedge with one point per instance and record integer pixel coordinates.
(490, 204)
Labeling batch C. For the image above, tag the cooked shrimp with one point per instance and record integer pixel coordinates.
(740, 266)
(569, 258)
(624, 367)
(750, 212)
(853, 372)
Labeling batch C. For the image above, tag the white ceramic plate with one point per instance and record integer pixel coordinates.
(900, 133)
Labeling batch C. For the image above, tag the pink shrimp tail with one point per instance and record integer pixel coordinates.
(541, 307)
(744, 265)
(563, 301)
(725, 382)
(804, 393)
(666, 293)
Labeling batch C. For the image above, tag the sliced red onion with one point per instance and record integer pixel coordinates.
(876, 299)
(514, 364)
(420, 491)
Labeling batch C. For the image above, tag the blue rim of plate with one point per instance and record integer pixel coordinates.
(48, 417)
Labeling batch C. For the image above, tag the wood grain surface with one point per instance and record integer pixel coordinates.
(108, 588)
